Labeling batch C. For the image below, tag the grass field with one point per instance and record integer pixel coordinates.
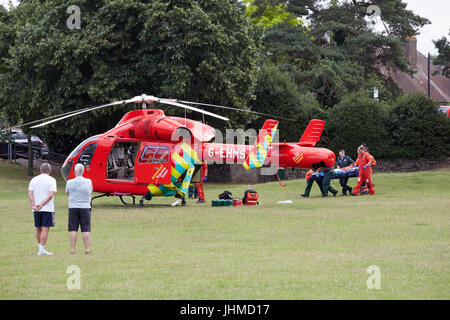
(312, 249)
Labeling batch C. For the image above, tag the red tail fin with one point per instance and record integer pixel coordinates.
(312, 133)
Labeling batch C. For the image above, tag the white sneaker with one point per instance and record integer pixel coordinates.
(44, 253)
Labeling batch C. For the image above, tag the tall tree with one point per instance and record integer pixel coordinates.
(4, 45)
(442, 60)
(6, 37)
(197, 50)
(275, 90)
(338, 50)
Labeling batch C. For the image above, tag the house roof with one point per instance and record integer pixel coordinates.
(440, 85)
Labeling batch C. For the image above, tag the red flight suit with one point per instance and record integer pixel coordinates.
(365, 188)
(199, 186)
(365, 175)
(308, 175)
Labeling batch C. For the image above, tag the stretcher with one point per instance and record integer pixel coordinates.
(337, 174)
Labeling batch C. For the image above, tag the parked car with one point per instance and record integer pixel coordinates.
(20, 146)
(445, 110)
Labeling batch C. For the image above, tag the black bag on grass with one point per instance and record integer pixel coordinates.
(226, 195)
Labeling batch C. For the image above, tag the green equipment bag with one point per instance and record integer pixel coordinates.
(221, 203)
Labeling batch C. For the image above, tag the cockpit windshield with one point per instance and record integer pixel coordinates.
(85, 159)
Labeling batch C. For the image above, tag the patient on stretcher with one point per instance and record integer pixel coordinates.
(338, 173)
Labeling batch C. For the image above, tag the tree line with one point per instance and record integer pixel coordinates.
(300, 59)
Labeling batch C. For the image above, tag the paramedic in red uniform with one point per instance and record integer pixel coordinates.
(199, 186)
(364, 162)
(364, 188)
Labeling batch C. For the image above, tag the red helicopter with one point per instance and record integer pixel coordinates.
(150, 154)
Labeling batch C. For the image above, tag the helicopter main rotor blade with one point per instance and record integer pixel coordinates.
(80, 112)
(236, 109)
(137, 99)
(174, 103)
(149, 99)
(44, 119)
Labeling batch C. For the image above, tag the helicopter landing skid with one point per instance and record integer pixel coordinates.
(127, 205)
(100, 196)
(130, 206)
(120, 197)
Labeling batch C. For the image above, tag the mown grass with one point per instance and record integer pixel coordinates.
(312, 249)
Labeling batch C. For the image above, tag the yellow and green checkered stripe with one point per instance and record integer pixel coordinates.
(181, 164)
(258, 153)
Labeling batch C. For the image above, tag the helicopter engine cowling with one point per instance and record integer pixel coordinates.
(183, 132)
(153, 124)
(163, 129)
(200, 131)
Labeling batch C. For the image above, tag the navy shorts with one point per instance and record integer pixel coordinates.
(44, 219)
(79, 217)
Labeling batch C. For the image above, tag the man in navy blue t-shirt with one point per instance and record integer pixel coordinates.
(341, 162)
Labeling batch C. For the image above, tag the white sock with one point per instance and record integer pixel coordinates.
(41, 247)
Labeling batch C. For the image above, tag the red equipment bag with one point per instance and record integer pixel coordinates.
(250, 197)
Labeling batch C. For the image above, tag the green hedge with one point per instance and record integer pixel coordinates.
(359, 119)
(418, 129)
(412, 128)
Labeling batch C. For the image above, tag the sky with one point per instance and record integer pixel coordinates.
(437, 11)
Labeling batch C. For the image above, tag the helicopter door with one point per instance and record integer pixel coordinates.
(154, 164)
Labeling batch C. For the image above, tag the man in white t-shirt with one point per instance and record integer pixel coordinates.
(41, 192)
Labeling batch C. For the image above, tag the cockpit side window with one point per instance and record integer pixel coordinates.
(86, 155)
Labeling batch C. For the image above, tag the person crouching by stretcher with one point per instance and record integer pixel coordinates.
(323, 184)
(328, 173)
(365, 162)
(309, 183)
